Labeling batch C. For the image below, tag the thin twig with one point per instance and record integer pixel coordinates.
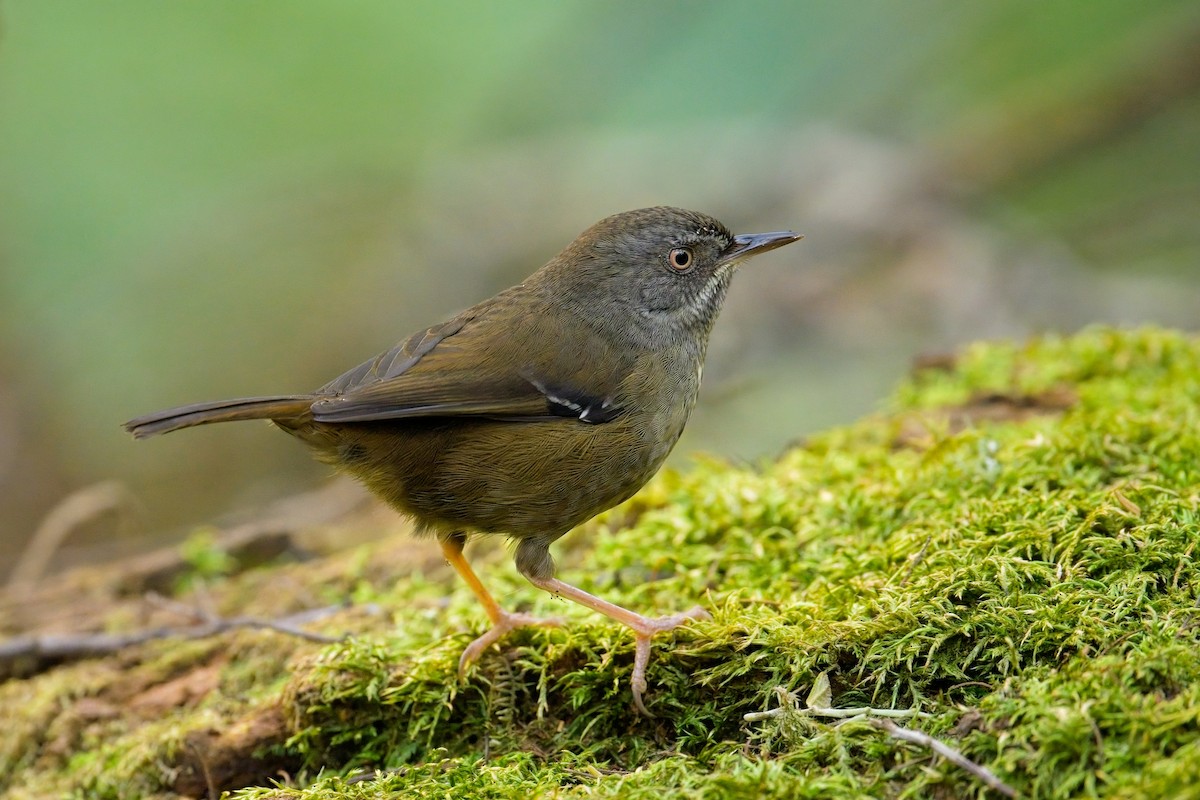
(818, 699)
(863, 711)
(286, 625)
(945, 751)
(34, 652)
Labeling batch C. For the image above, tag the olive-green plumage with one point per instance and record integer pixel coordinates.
(535, 410)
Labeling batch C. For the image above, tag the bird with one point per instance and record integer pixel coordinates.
(532, 411)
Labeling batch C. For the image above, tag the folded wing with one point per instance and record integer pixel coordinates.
(486, 363)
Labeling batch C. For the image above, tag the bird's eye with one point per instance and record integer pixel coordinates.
(680, 259)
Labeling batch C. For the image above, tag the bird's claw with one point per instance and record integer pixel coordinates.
(506, 622)
(643, 631)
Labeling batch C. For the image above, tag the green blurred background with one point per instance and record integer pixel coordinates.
(214, 198)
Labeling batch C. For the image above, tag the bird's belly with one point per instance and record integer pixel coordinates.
(521, 479)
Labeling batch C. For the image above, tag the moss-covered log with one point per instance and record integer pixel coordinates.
(1009, 546)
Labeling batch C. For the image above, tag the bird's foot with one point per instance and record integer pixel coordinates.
(644, 629)
(504, 622)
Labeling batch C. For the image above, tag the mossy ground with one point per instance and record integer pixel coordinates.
(1008, 547)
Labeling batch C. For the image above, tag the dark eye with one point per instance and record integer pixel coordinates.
(680, 259)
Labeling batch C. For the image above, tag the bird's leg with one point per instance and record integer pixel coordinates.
(502, 621)
(644, 628)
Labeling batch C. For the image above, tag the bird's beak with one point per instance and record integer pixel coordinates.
(746, 245)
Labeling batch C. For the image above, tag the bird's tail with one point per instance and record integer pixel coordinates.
(172, 419)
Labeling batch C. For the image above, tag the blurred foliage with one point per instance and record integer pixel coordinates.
(213, 197)
(205, 559)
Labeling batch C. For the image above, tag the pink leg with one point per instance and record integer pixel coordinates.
(644, 628)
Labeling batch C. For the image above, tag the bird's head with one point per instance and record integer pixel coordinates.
(660, 269)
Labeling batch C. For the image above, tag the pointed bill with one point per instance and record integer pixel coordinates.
(746, 245)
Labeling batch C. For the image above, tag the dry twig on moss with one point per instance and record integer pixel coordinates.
(818, 706)
(30, 654)
(945, 751)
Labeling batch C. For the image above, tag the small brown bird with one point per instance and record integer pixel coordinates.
(535, 410)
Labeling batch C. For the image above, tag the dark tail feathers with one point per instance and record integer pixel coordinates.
(282, 407)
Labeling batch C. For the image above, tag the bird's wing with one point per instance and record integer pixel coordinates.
(487, 362)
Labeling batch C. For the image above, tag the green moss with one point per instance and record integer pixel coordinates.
(204, 557)
(1027, 579)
